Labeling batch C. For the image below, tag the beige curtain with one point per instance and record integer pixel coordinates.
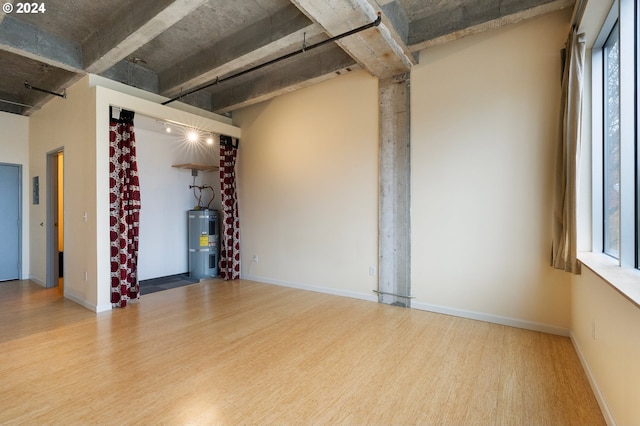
(564, 250)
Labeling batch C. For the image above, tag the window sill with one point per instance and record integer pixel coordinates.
(626, 281)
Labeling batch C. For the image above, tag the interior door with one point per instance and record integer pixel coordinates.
(55, 218)
(9, 222)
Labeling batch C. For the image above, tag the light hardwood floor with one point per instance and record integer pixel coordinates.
(249, 353)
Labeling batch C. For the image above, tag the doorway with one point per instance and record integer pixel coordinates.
(55, 219)
(10, 221)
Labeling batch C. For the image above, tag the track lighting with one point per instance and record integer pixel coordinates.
(190, 134)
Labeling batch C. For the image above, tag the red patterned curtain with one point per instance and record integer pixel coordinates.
(230, 252)
(125, 210)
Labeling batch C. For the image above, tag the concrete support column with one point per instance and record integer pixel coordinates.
(394, 278)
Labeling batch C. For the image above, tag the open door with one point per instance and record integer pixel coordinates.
(55, 219)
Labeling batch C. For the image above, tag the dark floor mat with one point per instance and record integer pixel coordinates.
(165, 283)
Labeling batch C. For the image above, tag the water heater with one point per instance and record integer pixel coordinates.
(204, 241)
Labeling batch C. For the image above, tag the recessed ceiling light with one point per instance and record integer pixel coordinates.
(192, 136)
(210, 140)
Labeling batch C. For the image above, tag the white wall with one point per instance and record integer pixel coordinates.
(14, 149)
(308, 183)
(166, 197)
(484, 118)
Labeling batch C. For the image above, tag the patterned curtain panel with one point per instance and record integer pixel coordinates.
(230, 251)
(125, 210)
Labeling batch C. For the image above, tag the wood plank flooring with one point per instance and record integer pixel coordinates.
(249, 353)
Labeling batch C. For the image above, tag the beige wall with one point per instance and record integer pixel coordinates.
(604, 324)
(484, 125)
(604, 327)
(14, 149)
(67, 124)
(484, 117)
(308, 182)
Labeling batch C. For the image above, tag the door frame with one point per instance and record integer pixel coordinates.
(53, 270)
(20, 221)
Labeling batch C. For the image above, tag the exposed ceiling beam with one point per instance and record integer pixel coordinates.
(24, 39)
(132, 28)
(308, 69)
(13, 104)
(134, 75)
(171, 84)
(381, 51)
(39, 101)
(424, 34)
(397, 16)
(240, 50)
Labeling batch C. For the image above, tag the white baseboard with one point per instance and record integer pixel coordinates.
(496, 319)
(76, 298)
(103, 308)
(608, 417)
(317, 289)
(80, 301)
(37, 280)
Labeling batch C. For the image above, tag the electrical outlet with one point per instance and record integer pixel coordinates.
(255, 258)
(372, 271)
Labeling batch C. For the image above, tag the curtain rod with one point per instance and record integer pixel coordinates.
(38, 89)
(6, 101)
(281, 58)
(168, 122)
(578, 13)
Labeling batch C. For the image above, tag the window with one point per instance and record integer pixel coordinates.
(616, 189)
(611, 144)
(637, 136)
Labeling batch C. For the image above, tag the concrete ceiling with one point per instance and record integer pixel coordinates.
(170, 47)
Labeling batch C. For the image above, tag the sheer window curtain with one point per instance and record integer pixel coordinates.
(564, 245)
(230, 251)
(124, 205)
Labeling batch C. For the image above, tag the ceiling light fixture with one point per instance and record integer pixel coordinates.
(192, 136)
(210, 140)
